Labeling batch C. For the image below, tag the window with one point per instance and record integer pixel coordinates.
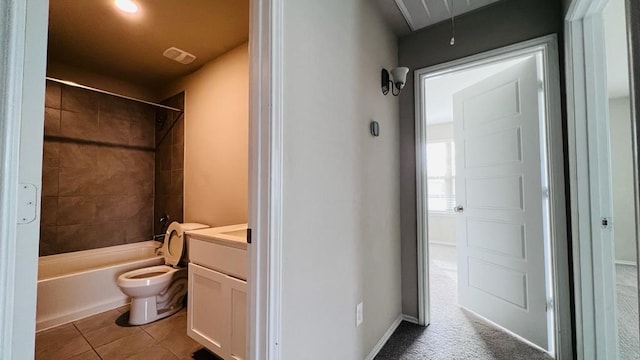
(441, 176)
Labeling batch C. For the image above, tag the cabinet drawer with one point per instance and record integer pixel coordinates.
(225, 259)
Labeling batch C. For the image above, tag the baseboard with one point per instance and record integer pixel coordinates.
(443, 243)
(80, 314)
(411, 319)
(623, 262)
(376, 349)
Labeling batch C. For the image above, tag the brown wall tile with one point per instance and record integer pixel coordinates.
(140, 183)
(113, 130)
(52, 95)
(112, 207)
(177, 156)
(177, 183)
(51, 154)
(79, 100)
(50, 181)
(48, 240)
(111, 159)
(163, 182)
(76, 210)
(81, 126)
(79, 156)
(49, 211)
(142, 133)
(98, 185)
(113, 182)
(138, 231)
(77, 181)
(113, 107)
(178, 131)
(51, 121)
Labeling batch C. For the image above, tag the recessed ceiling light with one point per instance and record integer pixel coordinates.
(126, 6)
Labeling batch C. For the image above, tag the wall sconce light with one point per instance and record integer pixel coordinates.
(397, 79)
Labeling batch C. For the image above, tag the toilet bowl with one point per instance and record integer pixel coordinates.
(158, 291)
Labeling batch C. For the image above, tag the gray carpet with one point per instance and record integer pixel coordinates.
(627, 312)
(453, 333)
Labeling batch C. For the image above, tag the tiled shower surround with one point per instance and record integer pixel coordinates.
(98, 170)
(169, 163)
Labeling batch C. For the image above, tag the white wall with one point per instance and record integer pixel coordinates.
(216, 147)
(341, 235)
(622, 179)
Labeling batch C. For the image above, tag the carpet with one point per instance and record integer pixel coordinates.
(627, 312)
(454, 333)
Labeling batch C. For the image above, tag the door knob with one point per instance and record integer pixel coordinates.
(458, 209)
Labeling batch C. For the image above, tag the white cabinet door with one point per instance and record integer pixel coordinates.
(238, 321)
(499, 186)
(207, 318)
(217, 312)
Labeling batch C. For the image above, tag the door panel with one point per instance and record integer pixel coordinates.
(502, 238)
(500, 232)
(495, 103)
(496, 193)
(501, 147)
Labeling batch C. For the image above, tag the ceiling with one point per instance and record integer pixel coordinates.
(405, 16)
(439, 104)
(94, 35)
(616, 49)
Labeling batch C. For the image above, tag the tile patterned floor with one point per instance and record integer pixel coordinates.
(99, 338)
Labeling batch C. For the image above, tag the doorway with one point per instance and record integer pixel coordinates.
(490, 194)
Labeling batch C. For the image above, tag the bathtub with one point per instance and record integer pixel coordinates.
(79, 284)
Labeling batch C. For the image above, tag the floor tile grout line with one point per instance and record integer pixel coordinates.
(87, 340)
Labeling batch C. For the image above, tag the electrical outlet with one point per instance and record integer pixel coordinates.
(359, 314)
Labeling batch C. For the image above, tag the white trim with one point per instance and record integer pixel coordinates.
(411, 319)
(592, 248)
(12, 29)
(625, 262)
(442, 243)
(265, 164)
(547, 46)
(422, 197)
(383, 340)
(23, 31)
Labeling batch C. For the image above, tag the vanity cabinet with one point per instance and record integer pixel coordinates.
(217, 298)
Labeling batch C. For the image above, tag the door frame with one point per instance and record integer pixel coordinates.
(266, 155)
(587, 104)
(23, 27)
(547, 47)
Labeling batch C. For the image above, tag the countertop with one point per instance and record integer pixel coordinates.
(232, 236)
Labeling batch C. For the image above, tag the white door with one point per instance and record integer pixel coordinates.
(500, 226)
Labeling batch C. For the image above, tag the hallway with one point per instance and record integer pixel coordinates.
(454, 333)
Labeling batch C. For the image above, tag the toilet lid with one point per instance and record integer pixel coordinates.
(173, 247)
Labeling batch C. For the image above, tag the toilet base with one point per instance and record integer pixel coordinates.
(144, 311)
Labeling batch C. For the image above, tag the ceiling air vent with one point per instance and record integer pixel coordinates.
(178, 55)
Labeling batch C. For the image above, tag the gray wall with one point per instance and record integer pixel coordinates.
(504, 23)
(341, 221)
(565, 5)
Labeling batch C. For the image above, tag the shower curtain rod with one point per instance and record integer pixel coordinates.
(71, 83)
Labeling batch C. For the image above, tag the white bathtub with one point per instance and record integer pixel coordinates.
(79, 284)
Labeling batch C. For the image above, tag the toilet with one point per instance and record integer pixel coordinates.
(158, 291)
